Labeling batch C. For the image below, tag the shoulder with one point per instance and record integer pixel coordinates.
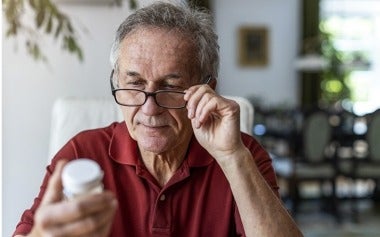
(252, 144)
(90, 142)
(97, 133)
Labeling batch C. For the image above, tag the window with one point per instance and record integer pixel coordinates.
(355, 29)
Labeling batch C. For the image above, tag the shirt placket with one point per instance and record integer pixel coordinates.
(162, 218)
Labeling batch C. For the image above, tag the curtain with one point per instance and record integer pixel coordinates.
(310, 81)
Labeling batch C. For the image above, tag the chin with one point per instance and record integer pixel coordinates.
(155, 145)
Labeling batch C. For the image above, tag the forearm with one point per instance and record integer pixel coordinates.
(261, 211)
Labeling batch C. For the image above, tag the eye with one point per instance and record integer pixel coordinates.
(169, 86)
(135, 83)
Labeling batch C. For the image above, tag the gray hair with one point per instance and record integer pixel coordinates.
(194, 22)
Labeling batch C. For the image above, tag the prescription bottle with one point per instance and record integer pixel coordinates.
(81, 176)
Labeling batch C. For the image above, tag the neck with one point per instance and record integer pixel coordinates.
(163, 166)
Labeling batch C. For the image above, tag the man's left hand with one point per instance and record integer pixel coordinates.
(215, 121)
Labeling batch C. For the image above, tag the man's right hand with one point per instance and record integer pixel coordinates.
(88, 215)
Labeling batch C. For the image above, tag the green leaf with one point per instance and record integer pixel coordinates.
(12, 29)
(32, 3)
(71, 44)
(58, 29)
(69, 27)
(132, 4)
(46, 16)
(40, 17)
(11, 10)
(49, 25)
(54, 11)
(79, 54)
(34, 50)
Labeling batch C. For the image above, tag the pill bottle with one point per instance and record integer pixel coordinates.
(81, 176)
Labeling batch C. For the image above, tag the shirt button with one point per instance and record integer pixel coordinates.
(163, 197)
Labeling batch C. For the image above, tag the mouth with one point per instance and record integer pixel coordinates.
(153, 130)
(148, 126)
(151, 124)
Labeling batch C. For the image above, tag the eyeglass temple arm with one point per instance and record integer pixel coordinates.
(208, 79)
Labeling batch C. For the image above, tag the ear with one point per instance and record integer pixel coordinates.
(111, 80)
(213, 83)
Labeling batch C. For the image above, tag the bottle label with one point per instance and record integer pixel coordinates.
(70, 195)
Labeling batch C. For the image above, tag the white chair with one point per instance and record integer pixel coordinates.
(246, 113)
(72, 115)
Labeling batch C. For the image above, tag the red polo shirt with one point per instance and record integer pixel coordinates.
(197, 200)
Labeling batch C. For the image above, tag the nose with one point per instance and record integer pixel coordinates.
(150, 107)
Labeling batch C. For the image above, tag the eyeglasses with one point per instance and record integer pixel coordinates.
(168, 99)
(163, 98)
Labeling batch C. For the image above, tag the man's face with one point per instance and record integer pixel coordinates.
(151, 60)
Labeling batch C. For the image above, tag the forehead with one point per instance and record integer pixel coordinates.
(158, 49)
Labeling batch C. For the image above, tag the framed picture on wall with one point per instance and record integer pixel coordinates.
(253, 46)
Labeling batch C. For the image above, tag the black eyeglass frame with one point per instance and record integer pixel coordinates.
(153, 94)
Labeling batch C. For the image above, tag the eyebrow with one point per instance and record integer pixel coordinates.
(165, 77)
(132, 74)
(171, 76)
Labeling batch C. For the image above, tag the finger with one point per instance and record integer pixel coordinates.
(193, 97)
(54, 188)
(217, 108)
(189, 91)
(76, 209)
(106, 229)
(91, 225)
(206, 100)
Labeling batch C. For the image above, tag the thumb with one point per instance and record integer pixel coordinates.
(54, 188)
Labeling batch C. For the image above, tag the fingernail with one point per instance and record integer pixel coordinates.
(197, 124)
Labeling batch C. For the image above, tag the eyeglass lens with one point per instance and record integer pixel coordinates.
(167, 99)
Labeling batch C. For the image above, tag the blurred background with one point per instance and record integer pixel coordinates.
(310, 68)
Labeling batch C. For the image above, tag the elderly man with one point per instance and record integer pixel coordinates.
(178, 165)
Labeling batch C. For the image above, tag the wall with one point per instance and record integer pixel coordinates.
(29, 88)
(277, 82)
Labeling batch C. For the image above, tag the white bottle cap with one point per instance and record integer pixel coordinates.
(80, 176)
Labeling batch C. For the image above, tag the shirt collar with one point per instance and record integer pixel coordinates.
(124, 150)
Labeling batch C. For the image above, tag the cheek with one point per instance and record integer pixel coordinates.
(182, 120)
(129, 115)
